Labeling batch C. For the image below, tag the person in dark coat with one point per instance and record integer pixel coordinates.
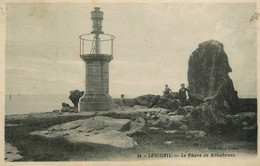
(182, 94)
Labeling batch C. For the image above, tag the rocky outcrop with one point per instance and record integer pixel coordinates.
(97, 130)
(146, 100)
(204, 117)
(209, 80)
(135, 126)
(172, 95)
(169, 101)
(65, 107)
(75, 95)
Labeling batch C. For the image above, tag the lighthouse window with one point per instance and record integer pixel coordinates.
(96, 22)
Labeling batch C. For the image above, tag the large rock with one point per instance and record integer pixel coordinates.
(65, 107)
(170, 122)
(135, 126)
(172, 95)
(75, 95)
(209, 80)
(168, 103)
(206, 118)
(185, 110)
(97, 130)
(147, 100)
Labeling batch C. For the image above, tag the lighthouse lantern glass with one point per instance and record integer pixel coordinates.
(97, 25)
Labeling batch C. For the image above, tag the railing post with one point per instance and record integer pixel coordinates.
(83, 47)
(80, 45)
(112, 45)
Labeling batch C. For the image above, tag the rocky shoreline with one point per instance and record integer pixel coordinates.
(210, 115)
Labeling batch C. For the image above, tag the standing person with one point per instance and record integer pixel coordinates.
(122, 100)
(167, 90)
(182, 94)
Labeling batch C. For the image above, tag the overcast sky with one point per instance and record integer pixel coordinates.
(152, 46)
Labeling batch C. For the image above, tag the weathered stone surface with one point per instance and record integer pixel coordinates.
(170, 122)
(168, 142)
(75, 95)
(206, 118)
(153, 101)
(245, 120)
(172, 95)
(170, 131)
(135, 126)
(11, 153)
(147, 100)
(209, 80)
(98, 130)
(65, 107)
(196, 134)
(185, 110)
(168, 103)
(184, 127)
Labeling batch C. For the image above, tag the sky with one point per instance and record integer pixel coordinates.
(153, 42)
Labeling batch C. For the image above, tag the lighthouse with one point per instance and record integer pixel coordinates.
(96, 50)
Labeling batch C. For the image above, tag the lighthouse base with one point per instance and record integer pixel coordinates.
(96, 102)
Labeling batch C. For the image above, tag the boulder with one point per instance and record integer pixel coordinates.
(185, 110)
(154, 101)
(97, 130)
(65, 107)
(168, 103)
(206, 118)
(170, 122)
(147, 100)
(209, 80)
(172, 95)
(135, 126)
(75, 95)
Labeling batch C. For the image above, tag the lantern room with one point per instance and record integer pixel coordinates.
(97, 18)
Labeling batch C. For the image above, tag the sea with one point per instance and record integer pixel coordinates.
(24, 104)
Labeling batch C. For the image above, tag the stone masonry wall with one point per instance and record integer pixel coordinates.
(97, 77)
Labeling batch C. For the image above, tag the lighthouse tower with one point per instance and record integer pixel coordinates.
(96, 50)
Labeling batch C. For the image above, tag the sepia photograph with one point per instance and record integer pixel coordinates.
(129, 81)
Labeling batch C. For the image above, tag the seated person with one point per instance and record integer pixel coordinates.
(167, 90)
